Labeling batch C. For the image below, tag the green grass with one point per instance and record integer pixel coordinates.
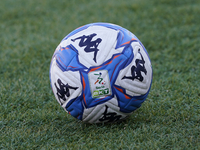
(30, 117)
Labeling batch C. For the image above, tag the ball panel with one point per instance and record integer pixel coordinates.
(136, 77)
(106, 112)
(91, 47)
(65, 85)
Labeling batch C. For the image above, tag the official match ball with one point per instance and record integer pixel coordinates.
(100, 72)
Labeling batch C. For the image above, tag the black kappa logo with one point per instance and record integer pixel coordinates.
(63, 90)
(91, 46)
(137, 70)
(110, 117)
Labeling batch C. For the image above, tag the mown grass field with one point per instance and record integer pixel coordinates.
(31, 118)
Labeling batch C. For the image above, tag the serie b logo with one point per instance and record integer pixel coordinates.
(99, 83)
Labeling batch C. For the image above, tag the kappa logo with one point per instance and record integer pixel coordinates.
(90, 46)
(137, 70)
(109, 117)
(63, 90)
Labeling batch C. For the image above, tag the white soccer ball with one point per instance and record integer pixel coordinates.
(100, 72)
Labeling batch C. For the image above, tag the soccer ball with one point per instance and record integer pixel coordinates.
(100, 72)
